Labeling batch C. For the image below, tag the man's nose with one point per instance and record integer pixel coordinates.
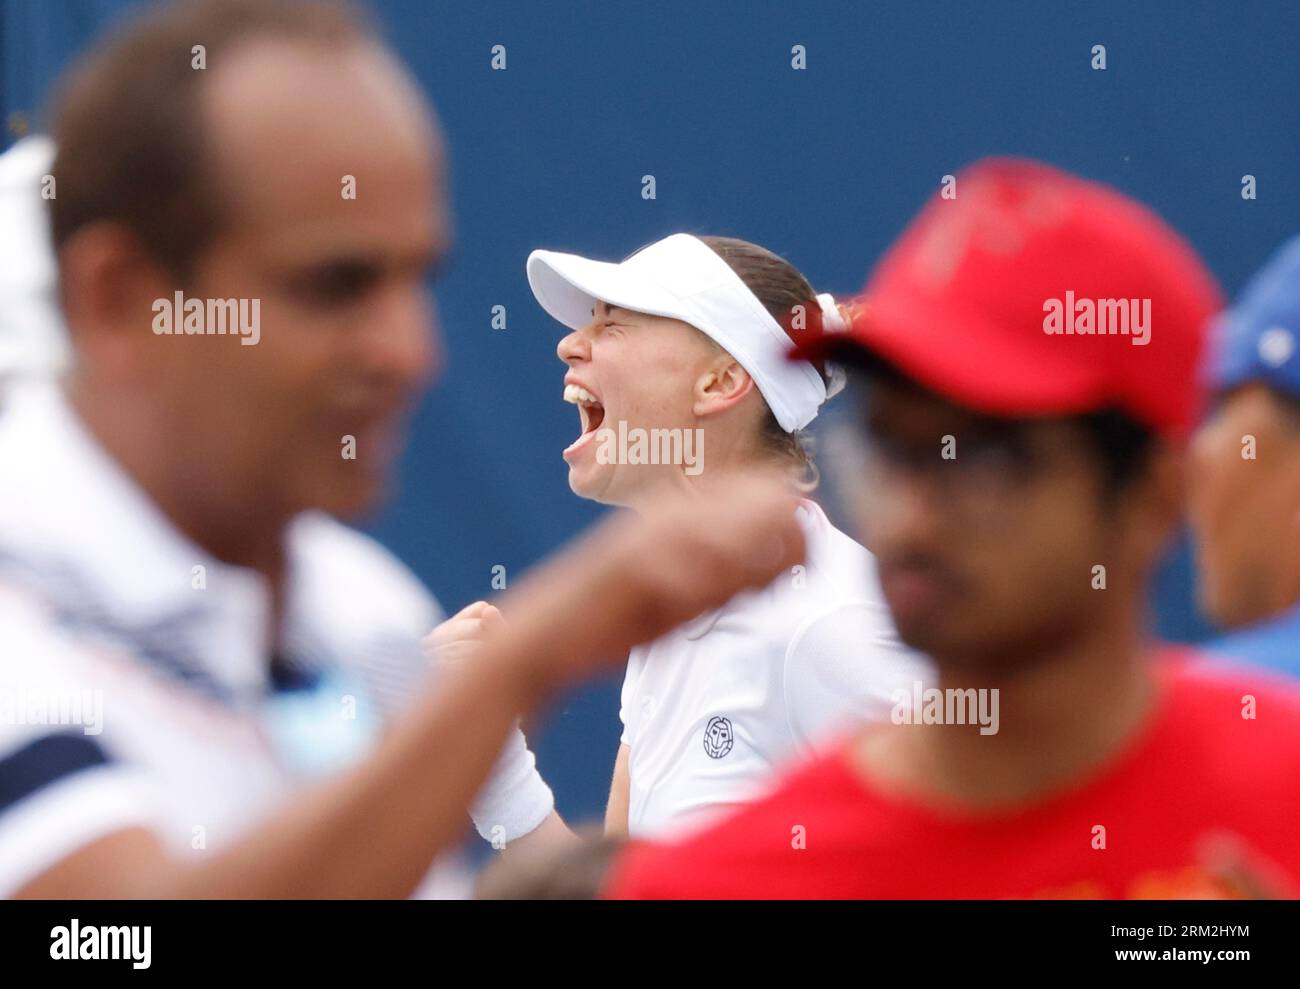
(408, 344)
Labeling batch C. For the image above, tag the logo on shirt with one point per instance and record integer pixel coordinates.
(718, 737)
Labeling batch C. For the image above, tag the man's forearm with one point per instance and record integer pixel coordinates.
(375, 830)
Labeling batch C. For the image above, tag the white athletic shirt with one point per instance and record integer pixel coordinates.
(136, 687)
(709, 709)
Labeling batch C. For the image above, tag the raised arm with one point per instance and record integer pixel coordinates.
(374, 830)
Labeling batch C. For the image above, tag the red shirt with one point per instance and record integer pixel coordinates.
(1131, 830)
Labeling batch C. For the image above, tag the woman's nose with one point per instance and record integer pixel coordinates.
(574, 347)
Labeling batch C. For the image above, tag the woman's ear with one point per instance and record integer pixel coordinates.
(721, 387)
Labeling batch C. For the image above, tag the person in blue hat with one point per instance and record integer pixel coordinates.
(1245, 494)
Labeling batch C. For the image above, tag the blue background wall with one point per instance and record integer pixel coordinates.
(823, 165)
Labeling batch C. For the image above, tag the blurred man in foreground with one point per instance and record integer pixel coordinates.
(208, 687)
(1028, 352)
(1245, 495)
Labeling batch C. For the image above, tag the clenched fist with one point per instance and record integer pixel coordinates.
(460, 638)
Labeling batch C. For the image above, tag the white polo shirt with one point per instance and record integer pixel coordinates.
(709, 709)
(136, 682)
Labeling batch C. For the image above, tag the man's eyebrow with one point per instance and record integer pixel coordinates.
(335, 266)
(367, 266)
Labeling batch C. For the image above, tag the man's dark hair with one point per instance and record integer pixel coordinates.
(132, 146)
(1120, 443)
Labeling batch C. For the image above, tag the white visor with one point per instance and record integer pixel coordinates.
(683, 278)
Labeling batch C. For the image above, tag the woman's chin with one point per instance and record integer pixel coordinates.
(591, 481)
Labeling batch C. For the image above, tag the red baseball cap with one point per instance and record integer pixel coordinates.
(994, 298)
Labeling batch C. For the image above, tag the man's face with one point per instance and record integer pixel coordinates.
(986, 532)
(313, 415)
(1245, 507)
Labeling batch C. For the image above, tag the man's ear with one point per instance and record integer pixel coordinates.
(1157, 501)
(1291, 468)
(107, 281)
(721, 387)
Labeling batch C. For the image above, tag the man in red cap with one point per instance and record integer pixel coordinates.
(1029, 351)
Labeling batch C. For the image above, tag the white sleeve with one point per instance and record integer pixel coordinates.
(843, 666)
(66, 813)
(61, 787)
(635, 663)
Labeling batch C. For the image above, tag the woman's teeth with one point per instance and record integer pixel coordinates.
(589, 407)
(590, 410)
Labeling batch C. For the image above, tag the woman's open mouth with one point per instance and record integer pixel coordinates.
(590, 411)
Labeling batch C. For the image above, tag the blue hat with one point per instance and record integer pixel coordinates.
(1258, 339)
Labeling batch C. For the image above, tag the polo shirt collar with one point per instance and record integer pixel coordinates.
(76, 518)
